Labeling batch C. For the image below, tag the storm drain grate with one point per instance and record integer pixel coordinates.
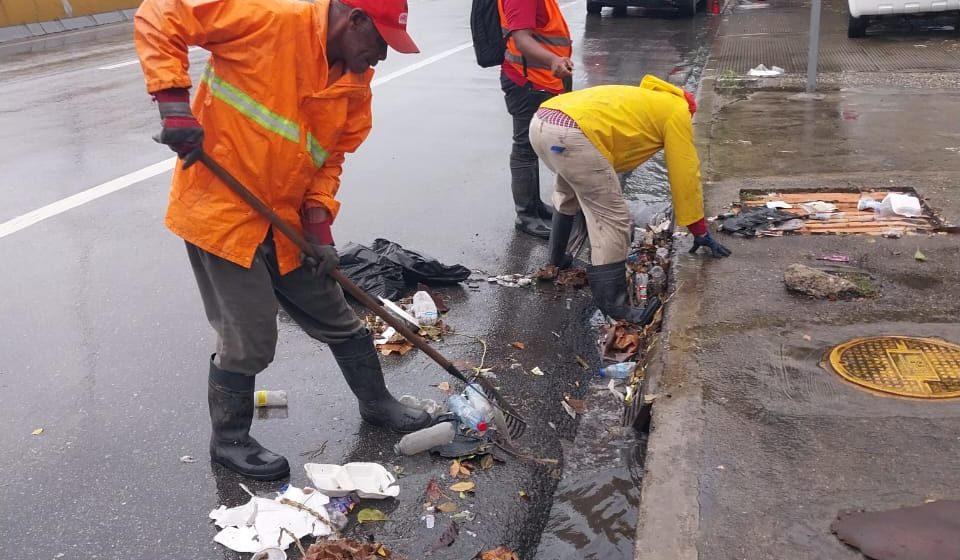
(926, 368)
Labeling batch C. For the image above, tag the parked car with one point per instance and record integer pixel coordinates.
(686, 8)
(863, 11)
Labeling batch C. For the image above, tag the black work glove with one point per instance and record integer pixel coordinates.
(329, 260)
(705, 240)
(181, 131)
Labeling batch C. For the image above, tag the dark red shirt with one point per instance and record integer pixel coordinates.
(523, 14)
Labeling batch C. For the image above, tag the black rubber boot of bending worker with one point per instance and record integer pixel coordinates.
(230, 398)
(608, 282)
(560, 230)
(361, 368)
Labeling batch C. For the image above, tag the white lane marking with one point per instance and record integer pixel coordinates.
(418, 65)
(59, 207)
(132, 62)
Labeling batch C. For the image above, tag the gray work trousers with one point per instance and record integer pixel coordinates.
(242, 303)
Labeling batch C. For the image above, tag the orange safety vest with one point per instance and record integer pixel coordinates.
(554, 36)
(268, 114)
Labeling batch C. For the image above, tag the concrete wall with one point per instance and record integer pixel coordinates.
(18, 12)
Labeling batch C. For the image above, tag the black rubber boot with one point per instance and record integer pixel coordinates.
(559, 239)
(361, 368)
(531, 211)
(608, 282)
(230, 398)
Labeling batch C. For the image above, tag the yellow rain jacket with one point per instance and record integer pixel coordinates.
(268, 113)
(630, 124)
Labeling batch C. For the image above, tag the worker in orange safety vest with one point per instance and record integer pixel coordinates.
(284, 95)
(536, 67)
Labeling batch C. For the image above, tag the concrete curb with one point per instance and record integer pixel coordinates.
(46, 28)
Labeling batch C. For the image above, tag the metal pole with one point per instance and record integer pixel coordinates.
(813, 53)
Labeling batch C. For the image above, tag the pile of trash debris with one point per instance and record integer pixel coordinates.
(887, 214)
(423, 312)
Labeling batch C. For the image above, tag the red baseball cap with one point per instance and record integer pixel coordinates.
(390, 19)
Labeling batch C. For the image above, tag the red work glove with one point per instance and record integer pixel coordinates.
(316, 224)
(180, 131)
(691, 102)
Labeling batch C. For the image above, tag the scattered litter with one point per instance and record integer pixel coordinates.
(430, 406)
(834, 258)
(572, 278)
(920, 256)
(269, 398)
(272, 553)
(248, 527)
(621, 341)
(569, 409)
(579, 406)
(343, 504)
(422, 440)
(581, 362)
(370, 515)
(750, 221)
(433, 491)
(817, 206)
(894, 204)
(424, 309)
(518, 345)
(621, 370)
(36, 432)
(368, 480)
(430, 520)
(762, 71)
(927, 532)
(187, 459)
(400, 312)
(445, 387)
(779, 204)
(537, 371)
(487, 462)
(893, 233)
(511, 280)
(807, 337)
(523, 495)
(789, 225)
(465, 515)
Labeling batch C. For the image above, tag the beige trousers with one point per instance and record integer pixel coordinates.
(585, 181)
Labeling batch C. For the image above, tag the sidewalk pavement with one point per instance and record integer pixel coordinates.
(754, 447)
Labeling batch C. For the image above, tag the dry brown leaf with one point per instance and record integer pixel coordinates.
(486, 462)
(459, 469)
(347, 549)
(579, 406)
(433, 490)
(447, 507)
(499, 553)
(518, 345)
(523, 495)
(467, 486)
(455, 468)
(445, 387)
(399, 348)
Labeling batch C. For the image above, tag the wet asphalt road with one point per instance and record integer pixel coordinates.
(104, 341)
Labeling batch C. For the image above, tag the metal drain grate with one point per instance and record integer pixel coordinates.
(925, 368)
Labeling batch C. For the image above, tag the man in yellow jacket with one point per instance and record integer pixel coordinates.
(588, 136)
(284, 95)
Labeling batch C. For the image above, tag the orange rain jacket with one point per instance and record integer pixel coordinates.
(554, 36)
(268, 115)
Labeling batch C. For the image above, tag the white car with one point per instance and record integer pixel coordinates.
(862, 11)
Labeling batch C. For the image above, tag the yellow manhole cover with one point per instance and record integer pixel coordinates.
(927, 368)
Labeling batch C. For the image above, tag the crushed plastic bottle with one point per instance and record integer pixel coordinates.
(657, 283)
(270, 398)
(430, 406)
(623, 370)
(478, 399)
(640, 281)
(469, 416)
(427, 438)
(424, 309)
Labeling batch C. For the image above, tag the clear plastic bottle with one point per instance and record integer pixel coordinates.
(622, 370)
(424, 310)
(640, 281)
(479, 401)
(657, 282)
(469, 416)
(427, 438)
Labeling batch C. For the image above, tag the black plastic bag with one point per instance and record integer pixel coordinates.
(748, 222)
(388, 270)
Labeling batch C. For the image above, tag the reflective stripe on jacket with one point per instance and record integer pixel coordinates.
(554, 36)
(630, 124)
(268, 115)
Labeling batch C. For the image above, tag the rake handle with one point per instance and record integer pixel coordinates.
(351, 288)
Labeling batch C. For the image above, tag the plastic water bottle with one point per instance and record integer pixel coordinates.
(657, 282)
(476, 397)
(424, 310)
(427, 438)
(270, 398)
(469, 416)
(640, 280)
(622, 370)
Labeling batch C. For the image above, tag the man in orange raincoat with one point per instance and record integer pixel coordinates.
(589, 136)
(284, 95)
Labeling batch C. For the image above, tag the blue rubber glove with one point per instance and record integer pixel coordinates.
(705, 240)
